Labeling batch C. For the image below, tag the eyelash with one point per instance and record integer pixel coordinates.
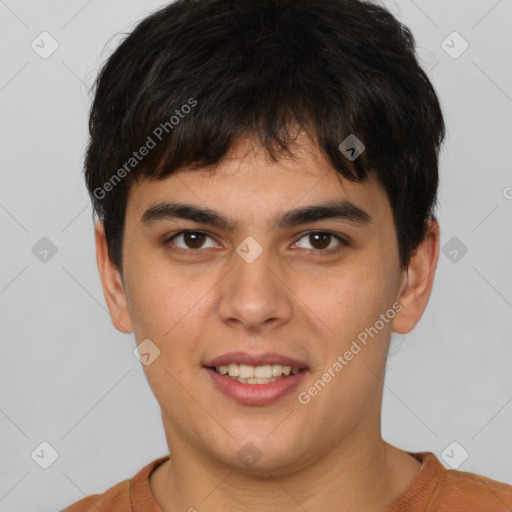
(168, 241)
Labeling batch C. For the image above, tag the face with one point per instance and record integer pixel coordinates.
(276, 270)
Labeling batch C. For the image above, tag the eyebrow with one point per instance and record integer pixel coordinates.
(342, 210)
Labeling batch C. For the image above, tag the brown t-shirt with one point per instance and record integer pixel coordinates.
(435, 489)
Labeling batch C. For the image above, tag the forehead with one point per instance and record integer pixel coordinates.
(246, 184)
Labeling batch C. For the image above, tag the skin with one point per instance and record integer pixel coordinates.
(294, 299)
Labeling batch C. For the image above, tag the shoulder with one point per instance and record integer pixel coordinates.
(438, 489)
(126, 496)
(115, 499)
(470, 492)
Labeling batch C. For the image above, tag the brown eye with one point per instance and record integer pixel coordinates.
(190, 241)
(322, 240)
(193, 240)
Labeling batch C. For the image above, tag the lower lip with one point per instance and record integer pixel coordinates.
(255, 394)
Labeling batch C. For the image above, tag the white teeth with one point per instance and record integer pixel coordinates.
(245, 372)
(256, 381)
(233, 370)
(276, 370)
(265, 372)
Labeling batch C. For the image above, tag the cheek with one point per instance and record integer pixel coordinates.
(165, 308)
(347, 301)
(172, 309)
(159, 299)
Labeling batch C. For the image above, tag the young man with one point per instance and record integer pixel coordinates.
(265, 174)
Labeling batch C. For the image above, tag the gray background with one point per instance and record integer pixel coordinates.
(70, 379)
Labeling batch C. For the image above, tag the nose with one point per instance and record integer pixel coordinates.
(255, 295)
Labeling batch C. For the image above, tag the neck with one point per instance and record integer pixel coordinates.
(363, 473)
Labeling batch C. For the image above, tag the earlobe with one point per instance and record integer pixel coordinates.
(418, 280)
(111, 281)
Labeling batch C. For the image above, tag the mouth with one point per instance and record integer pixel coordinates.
(263, 374)
(255, 379)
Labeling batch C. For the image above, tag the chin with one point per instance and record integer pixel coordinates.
(260, 455)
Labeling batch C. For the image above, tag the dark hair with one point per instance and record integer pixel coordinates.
(196, 75)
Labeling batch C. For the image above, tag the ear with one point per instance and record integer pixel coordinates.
(112, 282)
(417, 281)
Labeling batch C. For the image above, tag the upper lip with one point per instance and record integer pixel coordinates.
(255, 360)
